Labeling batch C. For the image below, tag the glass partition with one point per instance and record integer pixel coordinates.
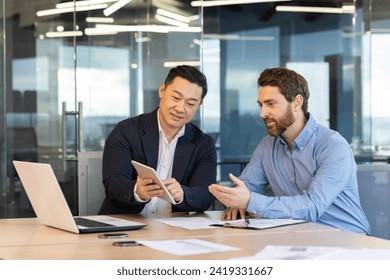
(72, 69)
(324, 46)
(3, 144)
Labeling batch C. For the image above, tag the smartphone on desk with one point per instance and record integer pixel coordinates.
(126, 243)
(145, 171)
(113, 235)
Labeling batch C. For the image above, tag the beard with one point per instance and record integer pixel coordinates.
(278, 127)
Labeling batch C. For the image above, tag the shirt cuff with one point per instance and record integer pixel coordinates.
(182, 199)
(137, 198)
(257, 203)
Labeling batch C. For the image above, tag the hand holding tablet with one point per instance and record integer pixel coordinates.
(145, 171)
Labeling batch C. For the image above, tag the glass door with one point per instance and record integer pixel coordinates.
(37, 61)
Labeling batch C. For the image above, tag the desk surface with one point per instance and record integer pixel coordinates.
(28, 239)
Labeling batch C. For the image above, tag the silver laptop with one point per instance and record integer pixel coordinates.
(51, 208)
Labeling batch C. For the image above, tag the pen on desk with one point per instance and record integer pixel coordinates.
(247, 216)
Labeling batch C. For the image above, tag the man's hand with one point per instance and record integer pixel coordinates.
(231, 214)
(232, 197)
(174, 188)
(146, 189)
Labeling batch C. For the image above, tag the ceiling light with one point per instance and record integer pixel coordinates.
(173, 15)
(171, 64)
(49, 12)
(347, 9)
(230, 2)
(63, 34)
(97, 31)
(115, 7)
(104, 29)
(194, 17)
(143, 40)
(99, 19)
(171, 21)
(130, 28)
(72, 4)
(238, 37)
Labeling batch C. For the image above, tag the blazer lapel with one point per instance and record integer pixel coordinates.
(150, 139)
(183, 152)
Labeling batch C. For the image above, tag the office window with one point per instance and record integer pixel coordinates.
(379, 99)
(317, 76)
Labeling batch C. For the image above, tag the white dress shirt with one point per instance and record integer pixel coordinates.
(166, 152)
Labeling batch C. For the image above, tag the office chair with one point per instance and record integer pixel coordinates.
(91, 189)
(374, 191)
(22, 145)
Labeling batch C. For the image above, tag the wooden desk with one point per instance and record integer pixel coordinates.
(27, 239)
(249, 244)
(28, 231)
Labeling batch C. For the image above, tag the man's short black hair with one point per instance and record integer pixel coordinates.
(191, 74)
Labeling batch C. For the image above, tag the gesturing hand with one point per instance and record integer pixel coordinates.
(233, 197)
(174, 188)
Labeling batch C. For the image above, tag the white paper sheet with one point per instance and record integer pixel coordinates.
(185, 247)
(291, 253)
(189, 222)
(358, 254)
(271, 252)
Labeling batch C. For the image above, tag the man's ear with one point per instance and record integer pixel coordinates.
(161, 90)
(298, 102)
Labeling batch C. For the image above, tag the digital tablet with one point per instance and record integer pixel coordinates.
(145, 171)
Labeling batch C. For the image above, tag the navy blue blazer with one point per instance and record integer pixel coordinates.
(137, 138)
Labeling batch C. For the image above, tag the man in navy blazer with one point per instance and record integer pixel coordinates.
(183, 156)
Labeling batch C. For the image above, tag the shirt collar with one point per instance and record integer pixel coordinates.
(179, 134)
(303, 138)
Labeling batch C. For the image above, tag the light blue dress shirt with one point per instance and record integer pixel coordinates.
(315, 182)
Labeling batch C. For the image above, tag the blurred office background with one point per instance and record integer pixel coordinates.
(72, 69)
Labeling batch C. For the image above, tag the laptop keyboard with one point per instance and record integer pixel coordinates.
(90, 223)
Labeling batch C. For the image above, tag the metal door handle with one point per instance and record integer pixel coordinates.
(79, 133)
